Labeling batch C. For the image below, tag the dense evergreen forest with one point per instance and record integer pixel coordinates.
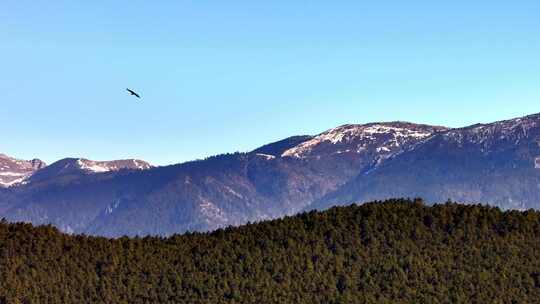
(397, 251)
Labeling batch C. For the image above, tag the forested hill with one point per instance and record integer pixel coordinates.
(396, 251)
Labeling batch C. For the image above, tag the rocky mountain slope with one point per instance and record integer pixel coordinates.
(14, 171)
(381, 138)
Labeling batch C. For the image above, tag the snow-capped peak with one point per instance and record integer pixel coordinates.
(68, 166)
(382, 137)
(15, 171)
(511, 130)
(114, 165)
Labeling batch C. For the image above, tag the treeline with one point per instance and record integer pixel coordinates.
(397, 251)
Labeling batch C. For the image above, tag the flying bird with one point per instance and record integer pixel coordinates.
(133, 93)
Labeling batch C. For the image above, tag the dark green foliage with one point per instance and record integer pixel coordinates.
(397, 251)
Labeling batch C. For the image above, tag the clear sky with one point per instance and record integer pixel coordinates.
(225, 76)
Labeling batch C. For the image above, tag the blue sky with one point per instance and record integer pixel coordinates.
(225, 76)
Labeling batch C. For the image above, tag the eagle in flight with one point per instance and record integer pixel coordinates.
(133, 93)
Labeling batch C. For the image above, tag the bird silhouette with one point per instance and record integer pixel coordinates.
(133, 93)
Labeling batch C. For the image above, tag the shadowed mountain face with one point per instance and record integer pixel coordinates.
(494, 163)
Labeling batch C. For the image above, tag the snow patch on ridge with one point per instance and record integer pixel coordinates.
(267, 156)
(92, 166)
(115, 165)
(13, 181)
(513, 130)
(393, 135)
(15, 171)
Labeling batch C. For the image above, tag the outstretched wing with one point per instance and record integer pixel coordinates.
(133, 93)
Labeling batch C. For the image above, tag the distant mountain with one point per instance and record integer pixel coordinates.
(383, 139)
(74, 166)
(230, 189)
(14, 171)
(495, 163)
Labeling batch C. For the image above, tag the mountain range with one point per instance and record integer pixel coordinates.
(496, 163)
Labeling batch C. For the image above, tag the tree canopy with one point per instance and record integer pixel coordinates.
(396, 251)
